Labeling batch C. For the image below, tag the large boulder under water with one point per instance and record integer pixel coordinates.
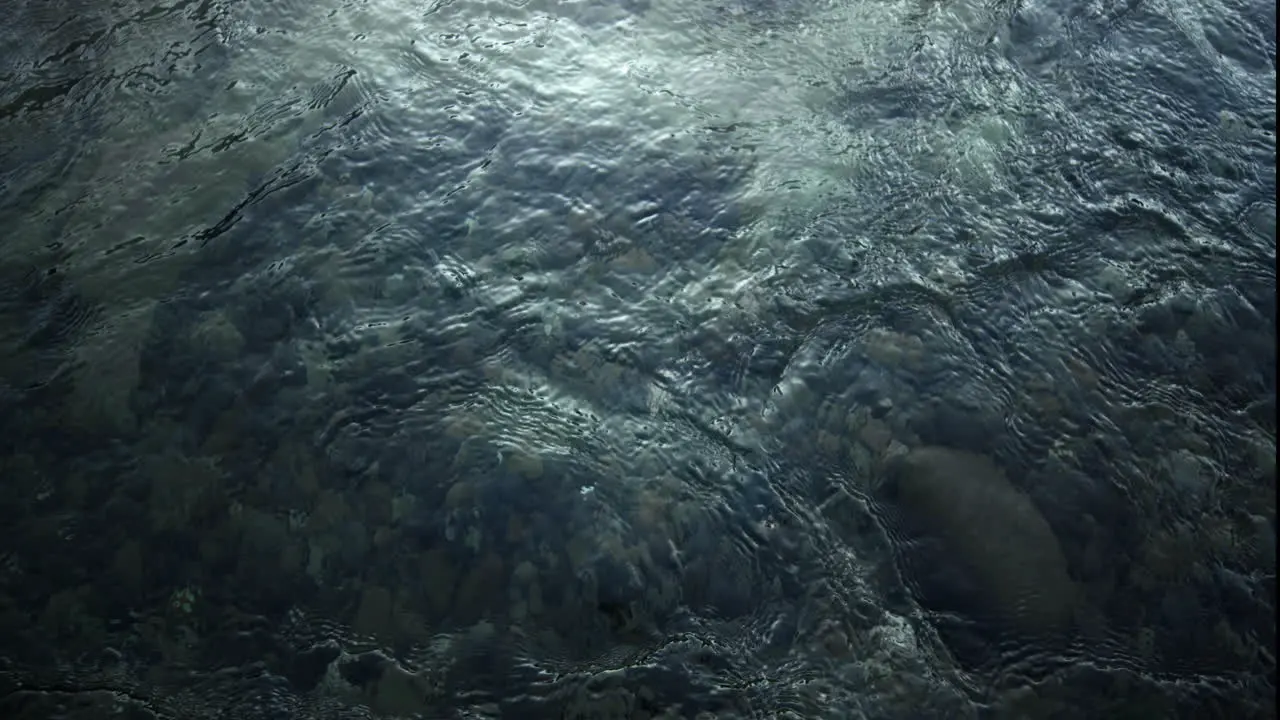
(976, 544)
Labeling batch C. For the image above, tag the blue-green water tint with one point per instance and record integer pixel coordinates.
(607, 360)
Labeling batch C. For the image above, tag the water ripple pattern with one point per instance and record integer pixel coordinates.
(644, 359)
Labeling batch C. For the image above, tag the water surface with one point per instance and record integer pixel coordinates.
(646, 359)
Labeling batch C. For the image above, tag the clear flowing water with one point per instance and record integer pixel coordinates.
(756, 358)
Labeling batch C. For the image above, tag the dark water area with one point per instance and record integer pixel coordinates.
(654, 359)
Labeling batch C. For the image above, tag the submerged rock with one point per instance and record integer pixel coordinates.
(995, 538)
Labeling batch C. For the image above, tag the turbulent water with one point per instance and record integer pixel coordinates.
(646, 359)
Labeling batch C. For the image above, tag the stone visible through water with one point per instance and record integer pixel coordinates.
(1006, 548)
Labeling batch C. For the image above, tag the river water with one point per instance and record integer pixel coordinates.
(652, 359)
